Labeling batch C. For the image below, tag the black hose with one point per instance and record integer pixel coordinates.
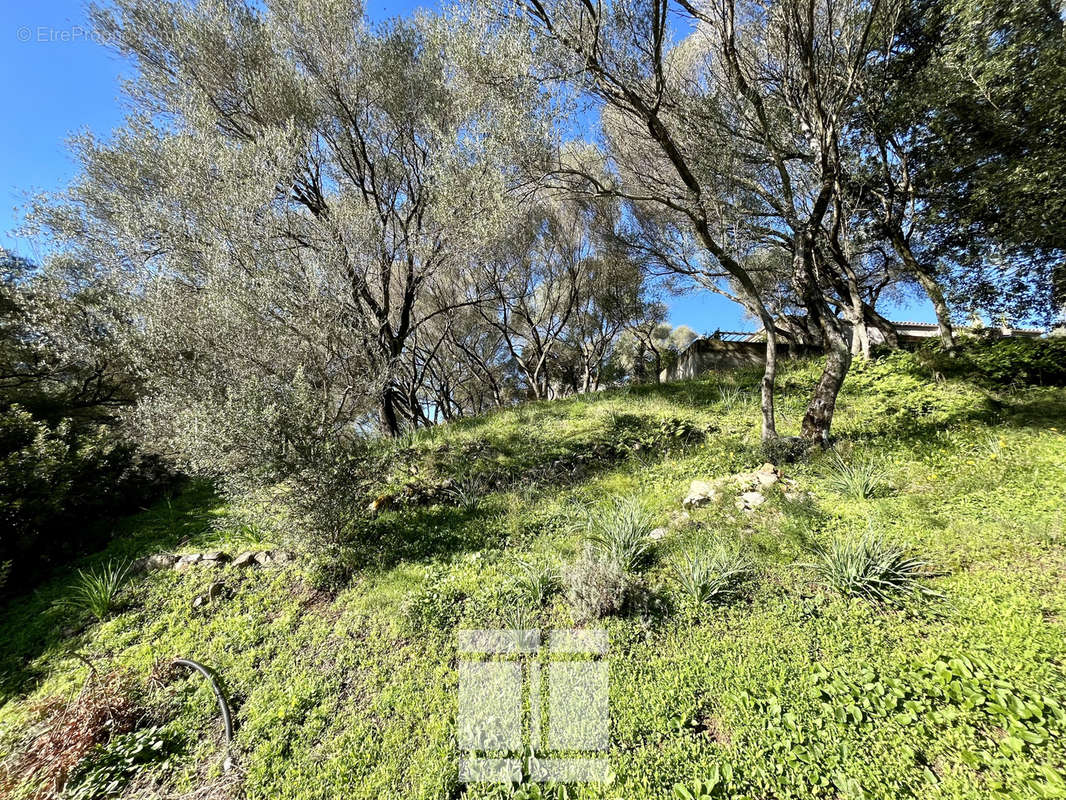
(222, 705)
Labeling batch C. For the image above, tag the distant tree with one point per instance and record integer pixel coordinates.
(732, 131)
(960, 160)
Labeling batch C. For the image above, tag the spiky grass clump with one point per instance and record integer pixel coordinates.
(711, 576)
(871, 568)
(860, 480)
(96, 591)
(733, 397)
(535, 582)
(618, 532)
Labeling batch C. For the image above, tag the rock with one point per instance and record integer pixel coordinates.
(657, 534)
(746, 481)
(700, 493)
(245, 559)
(282, 557)
(154, 562)
(214, 591)
(187, 561)
(766, 478)
(750, 500)
(263, 557)
(199, 601)
(217, 556)
(768, 468)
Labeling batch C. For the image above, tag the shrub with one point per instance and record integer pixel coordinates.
(860, 480)
(618, 532)
(97, 590)
(108, 706)
(595, 587)
(713, 576)
(1003, 361)
(56, 480)
(871, 568)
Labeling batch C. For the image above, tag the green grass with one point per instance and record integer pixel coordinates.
(787, 691)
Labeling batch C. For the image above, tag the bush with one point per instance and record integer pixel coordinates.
(595, 587)
(871, 568)
(711, 577)
(56, 481)
(1004, 361)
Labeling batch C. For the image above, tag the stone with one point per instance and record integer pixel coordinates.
(214, 591)
(187, 561)
(657, 534)
(216, 556)
(160, 561)
(700, 493)
(768, 468)
(750, 500)
(263, 557)
(282, 557)
(766, 478)
(245, 559)
(199, 601)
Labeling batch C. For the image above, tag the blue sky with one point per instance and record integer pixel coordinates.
(55, 80)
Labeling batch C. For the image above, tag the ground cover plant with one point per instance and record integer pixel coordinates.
(784, 686)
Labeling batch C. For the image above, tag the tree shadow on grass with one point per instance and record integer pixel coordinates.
(33, 630)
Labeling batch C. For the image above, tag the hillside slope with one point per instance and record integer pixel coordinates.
(787, 690)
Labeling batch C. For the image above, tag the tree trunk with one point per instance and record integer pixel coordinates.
(389, 419)
(927, 280)
(769, 375)
(819, 416)
(888, 330)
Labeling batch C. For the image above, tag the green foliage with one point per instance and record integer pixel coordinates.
(436, 605)
(595, 587)
(353, 693)
(96, 591)
(618, 532)
(535, 581)
(714, 786)
(870, 567)
(57, 482)
(858, 480)
(1004, 361)
(711, 576)
(107, 770)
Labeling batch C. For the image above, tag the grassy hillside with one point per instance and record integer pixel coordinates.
(787, 690)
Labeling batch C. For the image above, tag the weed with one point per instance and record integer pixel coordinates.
(110, 768)
(96, 591)
(535, 582)
(618, 532)
(859, 480)
(711, 577)
(732, 397)
(871, 568)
